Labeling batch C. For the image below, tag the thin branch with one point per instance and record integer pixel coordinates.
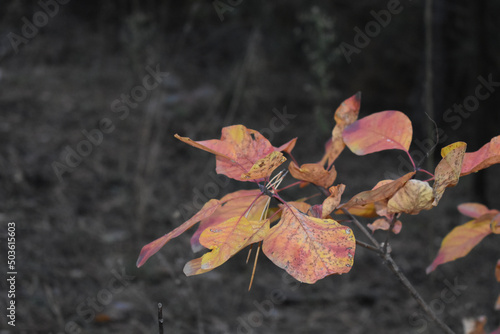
(367, 246)
(389, 261)
(160, 318)
(414, 293)
(389, 231)
(362, 228)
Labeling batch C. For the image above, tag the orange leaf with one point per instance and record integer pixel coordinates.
(378, 194)
(486, 156)
(309, 248)
(265, 166)
(153, 247)
(345, 115)
(247, 203)
(237, 151)
(383, 224)
(481, 212)
(314, 173)
(331, 202)
(412, 198)
(287, 147)
(301, 206)
(473, 210)
(460, 241)
(448, 170)
(225, 240)
(367, 211)
(380, 131)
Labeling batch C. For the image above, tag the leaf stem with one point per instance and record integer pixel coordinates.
(389, 261)
(289, 186)
(365, 245)
(362, 228)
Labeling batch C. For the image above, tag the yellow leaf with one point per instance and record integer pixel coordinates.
(265, 166)
(414, 197)
(309, 248)
(225, 240)
(460, 241)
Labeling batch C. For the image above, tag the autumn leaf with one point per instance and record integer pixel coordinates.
(238, 150)
(331, 202)
(378, 194)
(460, 241)
(412, 198)
(265, 166)
(309, 248)
(248, 203)
(473, 210)
(448, 170)
(366, 211)
(477, 210)
(486, 156)
(314, 173)
(153, 247)
(224, 240)
(384, 130)
(463, 238)
(345, 115)
(383, 224)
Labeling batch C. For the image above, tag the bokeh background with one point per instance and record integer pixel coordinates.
(79, 228)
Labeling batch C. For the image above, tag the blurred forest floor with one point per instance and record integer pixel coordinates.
(79, 231)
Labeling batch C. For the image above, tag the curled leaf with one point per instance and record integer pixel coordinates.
(448, 170)
(346, 114)
(384, 224)
(412, 198)
(314, 173)
(309, 248)
(331, 202)
(380, 131)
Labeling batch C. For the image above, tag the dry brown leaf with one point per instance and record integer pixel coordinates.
(448, 170)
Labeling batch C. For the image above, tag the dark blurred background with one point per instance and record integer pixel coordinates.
(74, 70)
